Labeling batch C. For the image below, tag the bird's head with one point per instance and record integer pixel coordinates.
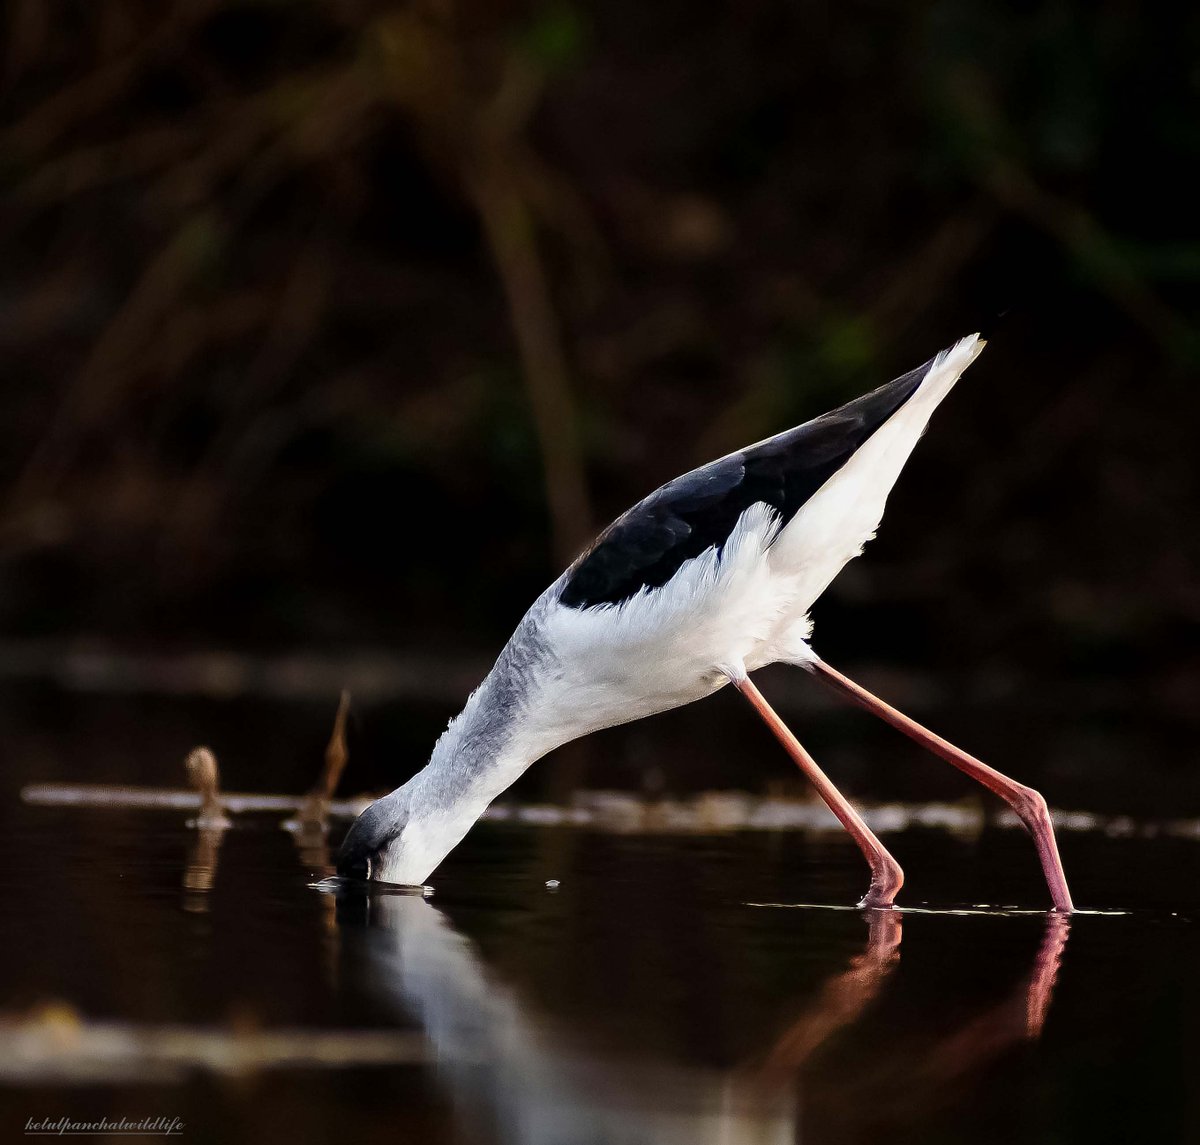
(394, 842)
(374, 847)
(402, 837)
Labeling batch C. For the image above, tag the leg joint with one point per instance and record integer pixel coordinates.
(734, 672)
(887, 878)
(1031, 806)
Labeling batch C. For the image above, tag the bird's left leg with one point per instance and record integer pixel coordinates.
(1029, 805)
(886, 875)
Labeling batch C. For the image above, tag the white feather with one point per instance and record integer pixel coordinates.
(721, 616)
(667, 646)
(834, 525)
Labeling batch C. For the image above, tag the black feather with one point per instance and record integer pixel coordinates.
(645, 547)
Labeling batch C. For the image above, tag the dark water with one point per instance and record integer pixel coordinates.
(645, 999)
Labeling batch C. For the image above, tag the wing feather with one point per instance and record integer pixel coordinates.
(647, 545)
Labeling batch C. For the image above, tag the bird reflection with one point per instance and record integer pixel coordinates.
(1019, 1017)
(512, 1076)
(515, 1074)
(843, 998)
(913, 1075)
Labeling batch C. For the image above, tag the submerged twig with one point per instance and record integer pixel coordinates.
(313, 813)
(509, 229)
(205, 777)
(211, 825)
(337, 755)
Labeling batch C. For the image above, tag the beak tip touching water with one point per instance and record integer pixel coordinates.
(354, 859)
(354, 867)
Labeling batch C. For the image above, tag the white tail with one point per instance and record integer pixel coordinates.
(842, 516)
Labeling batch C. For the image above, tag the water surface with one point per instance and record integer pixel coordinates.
(650, 997)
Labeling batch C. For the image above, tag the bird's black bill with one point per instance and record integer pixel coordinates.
(354, 865)
(354, 862)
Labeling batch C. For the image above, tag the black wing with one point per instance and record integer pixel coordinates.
(645, 547)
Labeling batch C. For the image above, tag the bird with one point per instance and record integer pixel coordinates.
(706, 580)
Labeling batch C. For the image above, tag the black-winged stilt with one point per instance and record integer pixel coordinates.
(707, 579)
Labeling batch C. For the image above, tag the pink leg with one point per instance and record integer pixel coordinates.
(886, 875)
(1026, 802)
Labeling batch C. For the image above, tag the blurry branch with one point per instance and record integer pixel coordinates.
(92, 165)
(479, 141)
(27, 31)
(310, 824)
(292, 121)
(204, 175)
(297, 117)
(189, 330)
(199, 222)
(1089, 244)
(241, 444)
(337, 755)
(916, 285)
(111, 368)
(312, 818)
(902, 295)
(510, 235)
(993, 160)
(58, 114)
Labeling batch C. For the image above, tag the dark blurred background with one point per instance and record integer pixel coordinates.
(336, 328)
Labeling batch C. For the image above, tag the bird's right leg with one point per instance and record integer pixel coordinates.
(1028, 804)
(886, 875)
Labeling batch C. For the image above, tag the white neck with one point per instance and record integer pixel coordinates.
(484, 750)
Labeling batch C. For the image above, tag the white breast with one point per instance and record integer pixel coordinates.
(671, 645)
